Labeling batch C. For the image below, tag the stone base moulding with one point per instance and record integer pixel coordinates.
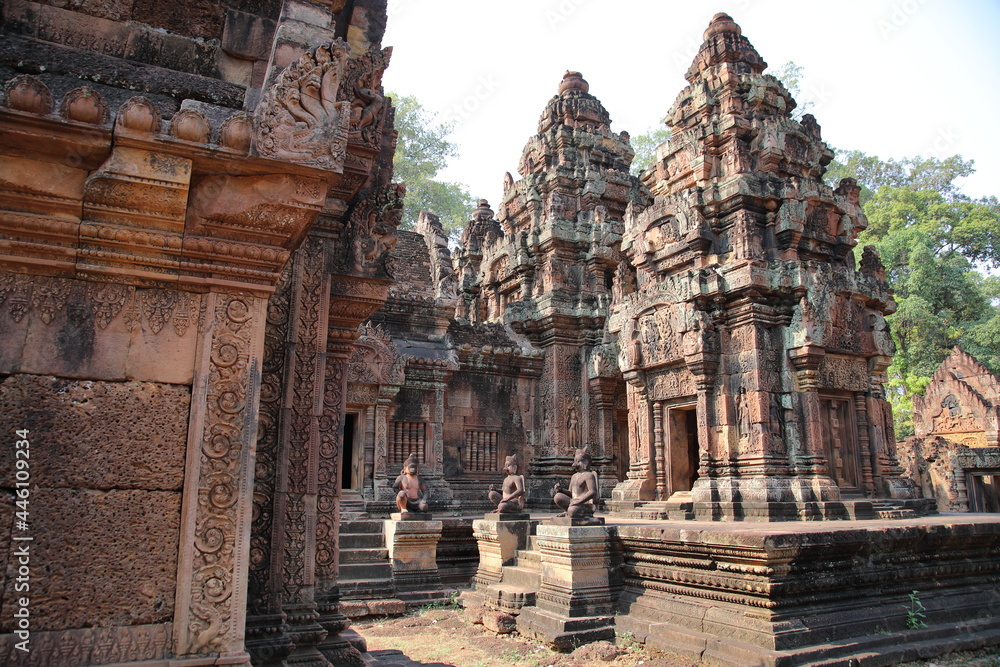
(805, 593)
(412, 547)
(575, 603)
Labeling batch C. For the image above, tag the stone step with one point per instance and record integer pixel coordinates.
(348, 515)
(529, 559)
(363, 555)
(367, 572)
(361, 540)
(365, 589)
(362, 526)
(895, 514)
(522, 577)
(509, 598)
(532, 544)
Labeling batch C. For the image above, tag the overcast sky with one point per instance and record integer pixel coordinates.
(891, 78)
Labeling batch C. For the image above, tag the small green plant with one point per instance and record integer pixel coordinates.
(915, 613)
(627, 640)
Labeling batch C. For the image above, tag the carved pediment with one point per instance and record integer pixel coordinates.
(301, 118)
(375, 360)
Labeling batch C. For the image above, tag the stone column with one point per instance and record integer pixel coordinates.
(661, 459)
(574, 605)
(382, 476)
(806, 360)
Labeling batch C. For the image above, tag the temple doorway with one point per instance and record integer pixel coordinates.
(682, 448)
(840, 442)
(351, 468)
(984, 491)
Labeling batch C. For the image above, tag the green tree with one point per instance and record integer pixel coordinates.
(932, 240)
(422, 150)
(791, 75)
(645, 145)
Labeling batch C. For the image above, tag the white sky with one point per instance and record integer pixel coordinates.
(893, 78)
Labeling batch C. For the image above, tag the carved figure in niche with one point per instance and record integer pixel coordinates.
(954, 407)
(368, 103)
(583, 489)
(511, 500)
(412, 493)
(573, 428)
(744, 414)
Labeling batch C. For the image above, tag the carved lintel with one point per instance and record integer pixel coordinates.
(274, 209)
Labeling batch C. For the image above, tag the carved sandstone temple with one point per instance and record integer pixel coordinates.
(955, 452)
(221, 350)
(753, 347)
(196, 213)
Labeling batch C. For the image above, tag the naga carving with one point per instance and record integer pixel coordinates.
(301, 118)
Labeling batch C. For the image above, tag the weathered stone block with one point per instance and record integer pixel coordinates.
(107, 558)
(387, 607)
(98, 435)
(499, 622)
(247, 36)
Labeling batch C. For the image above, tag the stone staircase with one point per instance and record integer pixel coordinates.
(365, 575)
(519, 583)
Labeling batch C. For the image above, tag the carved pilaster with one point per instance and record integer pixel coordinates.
(806, 360)
(215, 534)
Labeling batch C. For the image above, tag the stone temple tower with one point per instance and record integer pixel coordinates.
(544, 268)
(754, 348)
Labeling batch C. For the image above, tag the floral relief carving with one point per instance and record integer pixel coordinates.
(299, 449)
(223, 452)
(47, 297)
(330, 425)
(300, 118)
(273, 367)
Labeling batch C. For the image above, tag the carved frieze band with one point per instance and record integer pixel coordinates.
(46, 297)
(215, 533)
(89, 646)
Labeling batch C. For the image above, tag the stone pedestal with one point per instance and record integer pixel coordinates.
(499, 537)
(412, 545)
(574, 605)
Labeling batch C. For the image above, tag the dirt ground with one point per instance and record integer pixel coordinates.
(447, 635)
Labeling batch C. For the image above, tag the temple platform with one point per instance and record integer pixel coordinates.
(844, 592)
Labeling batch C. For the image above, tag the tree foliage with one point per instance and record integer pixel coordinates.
(933, 241)
(422, 150)
(645, 145)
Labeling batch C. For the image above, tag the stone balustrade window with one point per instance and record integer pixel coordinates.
(482, 451)
(406, 438)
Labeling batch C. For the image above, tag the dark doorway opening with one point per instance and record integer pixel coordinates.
(683, 448)
(349, 474)
(984, 492)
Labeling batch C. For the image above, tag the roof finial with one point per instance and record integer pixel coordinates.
(573, 81)
(722, 23)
